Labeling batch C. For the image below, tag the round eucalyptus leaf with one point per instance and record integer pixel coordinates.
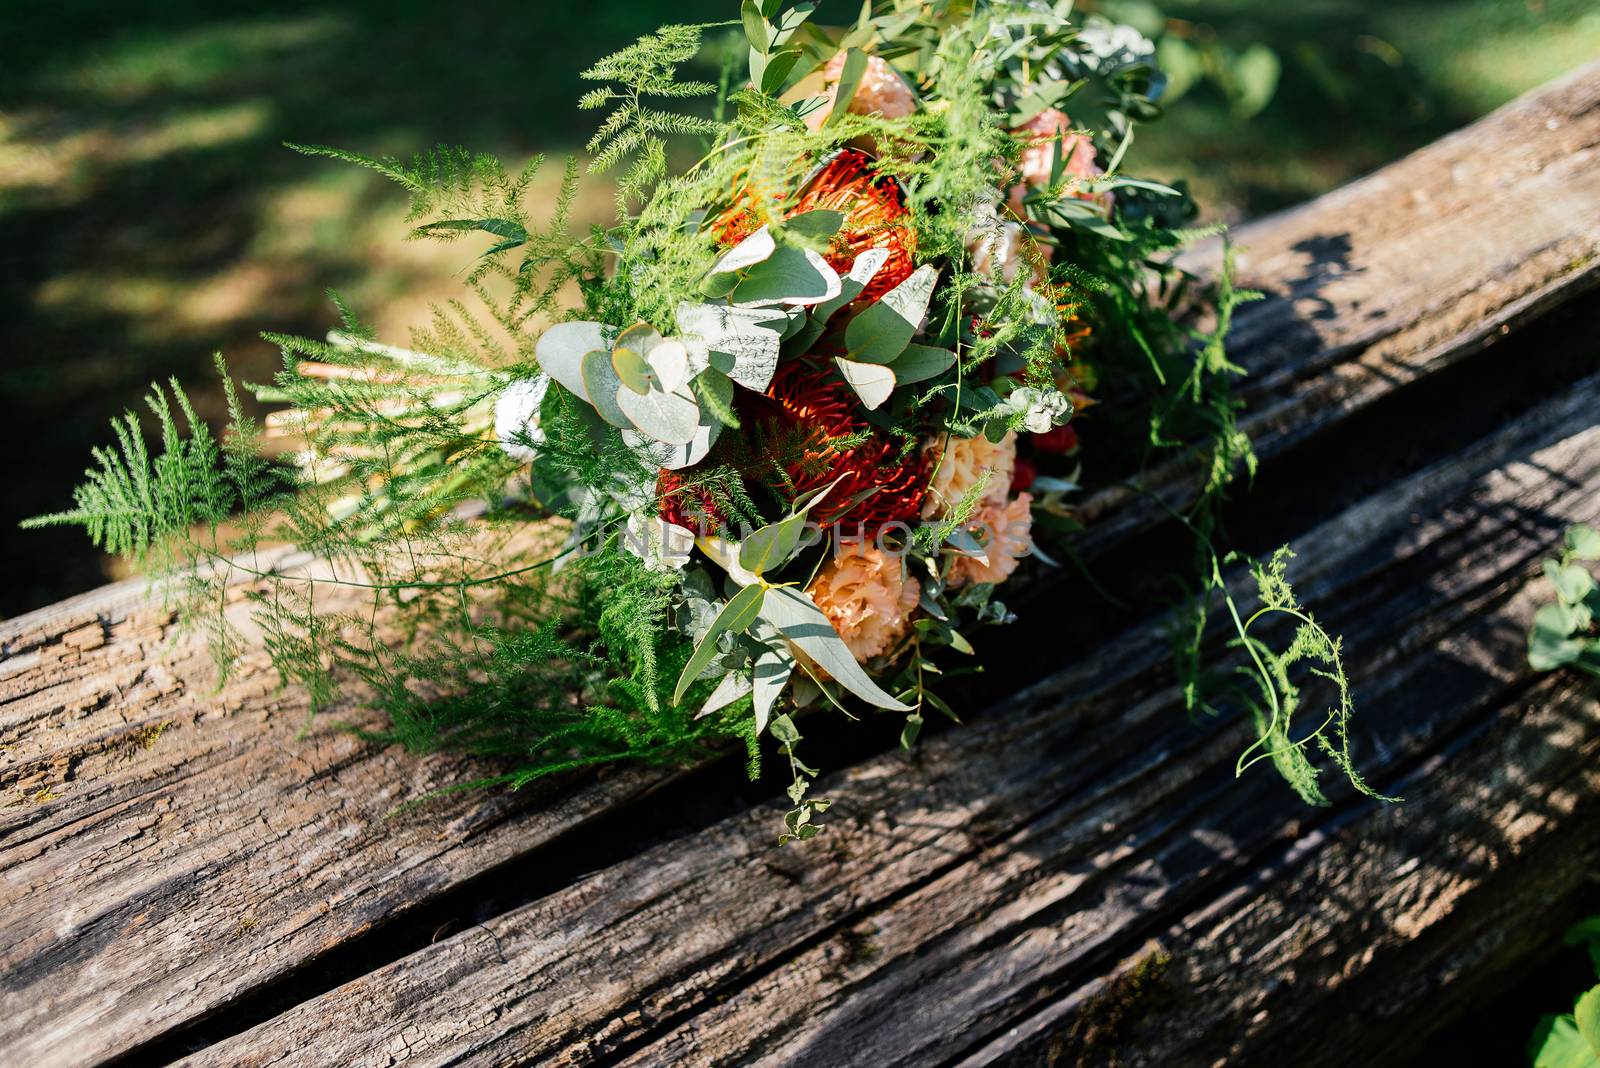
(561, 349)
(670, 417)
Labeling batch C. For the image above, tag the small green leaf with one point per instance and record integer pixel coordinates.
(600, 379)
(770, 547)
(791, 275)
(919, 363)
(1556, 1043)
(803, 623)
(715, 391)
(755, 27)
(784, 732)
(1583, 542)
(769, 676)
(1586, 1014)
(1255, 76)
(855, 65)
(776, 70)
(908, 733)
(512, 232)
(1549, 643)
(1572, 582)
(736, 616)
(883, 330)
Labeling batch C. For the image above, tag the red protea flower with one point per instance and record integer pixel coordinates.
(694, 507)
(817, 437)
(875, 211)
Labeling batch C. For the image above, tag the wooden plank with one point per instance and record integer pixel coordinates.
(212, 853)
(1402, 274)
(977, 900)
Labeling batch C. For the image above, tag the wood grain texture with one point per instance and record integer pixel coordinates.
(979, 900)
(1402, 274)
(167, 849)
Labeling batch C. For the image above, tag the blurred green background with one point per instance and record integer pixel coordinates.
(149, 215)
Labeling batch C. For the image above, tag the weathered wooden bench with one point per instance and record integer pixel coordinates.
(1074, 876)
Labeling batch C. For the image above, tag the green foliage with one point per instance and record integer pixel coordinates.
(1564, 632)
(134, 502)
(1276, 699)
(634, 128)
(1572, 1040)
(491, 604)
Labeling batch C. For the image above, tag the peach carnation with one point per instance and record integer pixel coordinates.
(959, 463)
(1077, 153)
(880, 92)
(1006, 533)
(867, 596)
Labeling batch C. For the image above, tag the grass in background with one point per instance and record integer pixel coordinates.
(149, 215)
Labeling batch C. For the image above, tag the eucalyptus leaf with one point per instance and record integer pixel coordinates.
(600, 379)
(769, 676)
(918, 363)
(735, 618)
(770, 547)
(669, 362)
(747, 346)
(733, 686)
(872, 382)
(804, 624)
(884, 329)
(675, 457)
(632, 370)
(741, 257)
(817, 223)
(561, 350)
(862, 271)
(791, 275)
(670, 417)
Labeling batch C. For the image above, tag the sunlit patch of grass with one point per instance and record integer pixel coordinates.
(47, 160)
(161, 59)
(1491, 52)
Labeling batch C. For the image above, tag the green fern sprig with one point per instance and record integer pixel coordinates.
(646, 68)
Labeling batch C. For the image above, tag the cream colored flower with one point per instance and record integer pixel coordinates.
(958, 464)
(867, 596)
(1006, 533)
(1001, 250)
(1077, 154)
(880, 92)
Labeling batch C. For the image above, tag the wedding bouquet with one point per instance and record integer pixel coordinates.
(777, 437)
